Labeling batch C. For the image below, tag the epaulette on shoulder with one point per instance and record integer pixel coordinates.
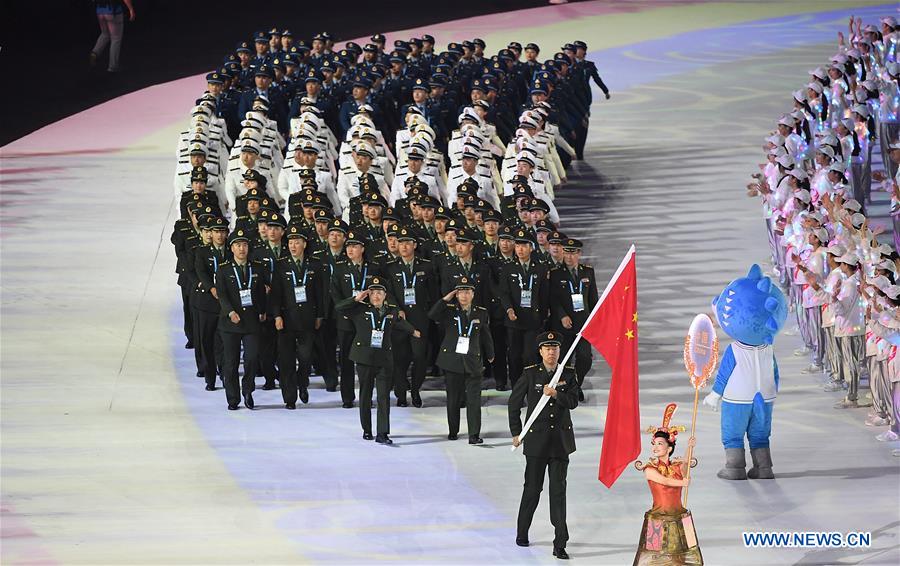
(531, 366)
(570, 366)
(587, 266)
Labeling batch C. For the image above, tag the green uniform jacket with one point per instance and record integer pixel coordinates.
(551, 434)
(451, 317)
(230, 298)
(363, 316)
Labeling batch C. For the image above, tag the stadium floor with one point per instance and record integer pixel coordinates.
(112, 452)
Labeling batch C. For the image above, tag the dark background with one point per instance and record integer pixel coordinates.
(45, 45)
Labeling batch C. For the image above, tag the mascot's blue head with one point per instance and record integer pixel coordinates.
(751, 309)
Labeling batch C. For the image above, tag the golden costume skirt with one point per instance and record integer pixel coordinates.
(668, 539)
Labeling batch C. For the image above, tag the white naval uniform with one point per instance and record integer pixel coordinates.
(234, 181)
(486, 189)
(348, 187)
(289, 183)
(398, 188)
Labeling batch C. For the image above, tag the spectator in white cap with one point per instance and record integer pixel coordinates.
(793, 142)
(825, 291)
(861, 160)
(889, 114)
(814, 267)
(849, 329)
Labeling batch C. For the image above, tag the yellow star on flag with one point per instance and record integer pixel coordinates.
(630, 334)
(634, 317)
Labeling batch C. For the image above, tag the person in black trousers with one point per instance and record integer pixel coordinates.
(296, 304)
(524, 296)
(205, 299)
(413, 284)
(466, 345)
(550, 438)
(242, 298)
(375, 323)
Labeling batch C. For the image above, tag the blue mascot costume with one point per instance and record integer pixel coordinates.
(751, 310)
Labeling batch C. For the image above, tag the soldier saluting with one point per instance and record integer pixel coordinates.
(550, 438)
(374, 323)
(467, 344)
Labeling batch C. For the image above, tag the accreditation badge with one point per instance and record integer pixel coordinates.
(409, 296)
(578, 302)
(300, 294)
(462, 345)
(526, 299)
(246, 297)
(377, 339)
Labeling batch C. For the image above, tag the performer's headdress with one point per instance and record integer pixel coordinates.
(667, 426)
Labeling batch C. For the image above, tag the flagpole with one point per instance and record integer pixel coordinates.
(542, 402)
(690, 450)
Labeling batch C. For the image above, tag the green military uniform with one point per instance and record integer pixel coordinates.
(549, 442)
(241, 290)
(573, 293)
(414, 288)
(372, 353)
(298, 293)
(467, 344)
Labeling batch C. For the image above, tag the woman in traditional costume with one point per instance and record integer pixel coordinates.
(668, 536)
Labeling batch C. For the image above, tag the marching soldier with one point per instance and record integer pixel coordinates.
(413, 284)
(374, 323)
(205, 300)
(466, 346)
(350, 276)
(297, 307)
(550, 439)
(524, 295)
(186, 236)
(242, 299)
(269, 255)
(573, 294)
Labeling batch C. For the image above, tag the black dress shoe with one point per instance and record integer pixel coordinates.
(501, 387)
(331, 388)
(367, 436)
(210, 387)
(232, 407)
(401, 402)
(269, 387)
(248, 400)
(416, 400)
(475, 439)
(304, 395)
(561, 553)
(201, 374)
(383, 439)
(522, 542)
(189, 345)
(347, 404)
(290, 406)
(580, 395)
(452, 436)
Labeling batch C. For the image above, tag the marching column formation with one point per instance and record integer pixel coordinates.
(382, 215)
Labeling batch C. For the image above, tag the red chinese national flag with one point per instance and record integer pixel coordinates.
(612, 330)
